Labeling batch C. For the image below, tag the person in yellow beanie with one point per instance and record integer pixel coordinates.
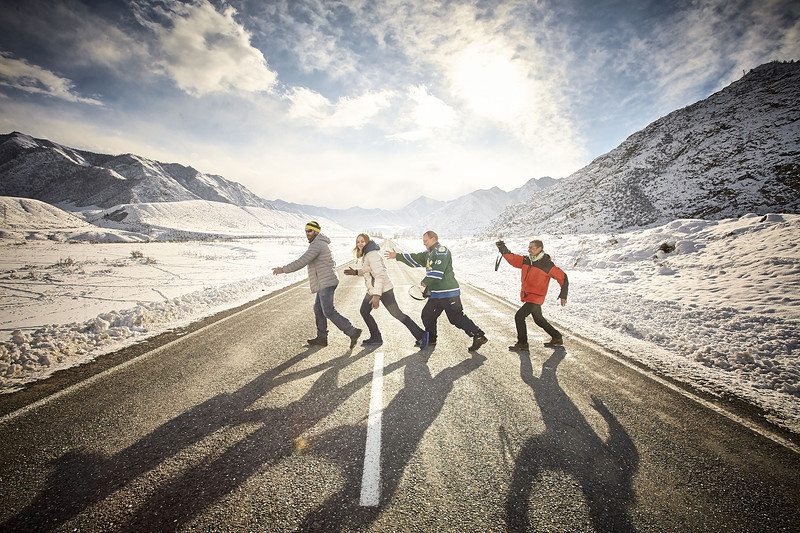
(323, 281)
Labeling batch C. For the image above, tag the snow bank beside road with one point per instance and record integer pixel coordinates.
(65, 304)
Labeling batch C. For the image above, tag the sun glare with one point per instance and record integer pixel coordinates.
(491, 84)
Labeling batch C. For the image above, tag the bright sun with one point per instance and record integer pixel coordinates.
(491, 84)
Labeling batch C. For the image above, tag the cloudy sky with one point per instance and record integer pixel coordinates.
(372, 102)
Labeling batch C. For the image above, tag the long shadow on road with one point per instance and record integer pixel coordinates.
(569, 444)
(405, 421)
(80, 479)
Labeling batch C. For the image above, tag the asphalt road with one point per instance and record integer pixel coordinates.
(238, 427)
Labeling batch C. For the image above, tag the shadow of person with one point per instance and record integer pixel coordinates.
(404, 423)
(603, 469)
(80, 479)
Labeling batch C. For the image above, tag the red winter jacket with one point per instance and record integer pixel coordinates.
(536, 277)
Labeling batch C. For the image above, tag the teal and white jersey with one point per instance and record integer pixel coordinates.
(439, 275)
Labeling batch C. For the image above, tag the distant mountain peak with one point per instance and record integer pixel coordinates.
(43, 170)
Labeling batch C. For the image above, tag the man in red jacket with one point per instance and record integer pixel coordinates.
(537, 269)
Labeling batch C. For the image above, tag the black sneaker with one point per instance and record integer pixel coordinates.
(354, 338)
(318, 341)
(518, 347)
(477, 342)
(371, 342)
(425, 341)
(554, 342)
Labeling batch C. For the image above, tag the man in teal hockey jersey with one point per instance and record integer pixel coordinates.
(441, 285)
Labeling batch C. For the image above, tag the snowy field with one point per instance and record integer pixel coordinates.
(720, 311)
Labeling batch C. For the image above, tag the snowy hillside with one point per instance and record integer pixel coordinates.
(28, 220)
(24, 219)
(43, 170)
(736, 152)
(200, 219)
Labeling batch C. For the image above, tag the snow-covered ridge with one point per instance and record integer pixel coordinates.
(46, 171)
(736, 152)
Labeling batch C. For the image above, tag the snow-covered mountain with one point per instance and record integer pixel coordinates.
(736, 152)
(77, 180)
(460, 217)
(56, 174)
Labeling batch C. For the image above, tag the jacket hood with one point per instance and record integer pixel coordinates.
(370, 247)
(323, 238)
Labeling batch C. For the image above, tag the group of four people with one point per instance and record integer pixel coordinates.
(440, 287)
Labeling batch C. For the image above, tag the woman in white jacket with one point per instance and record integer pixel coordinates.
(371, 267)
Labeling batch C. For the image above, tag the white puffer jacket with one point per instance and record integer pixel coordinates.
(372, 267)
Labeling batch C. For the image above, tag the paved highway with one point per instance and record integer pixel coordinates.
(237, 426)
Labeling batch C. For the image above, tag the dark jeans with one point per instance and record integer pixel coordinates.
(387, 300)
(455, 314)
(530, 308)
(324, 311)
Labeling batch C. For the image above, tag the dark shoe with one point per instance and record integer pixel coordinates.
(418, 344)
(477, 342)
(518, 347)
(371, 341)
(554, 342)
(354, 338)
(317, 341)
(424, 341)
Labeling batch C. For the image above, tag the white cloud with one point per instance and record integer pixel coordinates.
(429, 117)
(21, 75)
(206, 51)
(357, 112)
(306, 103)
(347, 112)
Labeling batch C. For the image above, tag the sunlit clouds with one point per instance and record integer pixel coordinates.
(208, 51)
(20, 75)
(347, 112)
(385, 100)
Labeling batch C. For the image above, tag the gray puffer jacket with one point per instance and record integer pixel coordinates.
(319, 260)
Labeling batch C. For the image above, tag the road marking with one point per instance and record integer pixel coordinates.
(371, 480)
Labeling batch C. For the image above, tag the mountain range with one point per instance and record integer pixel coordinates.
(736, 152)
(79, 180)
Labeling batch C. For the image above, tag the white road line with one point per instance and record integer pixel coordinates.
(371, 480)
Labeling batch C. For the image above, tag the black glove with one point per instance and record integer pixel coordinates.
(501, 246)
(350, 272)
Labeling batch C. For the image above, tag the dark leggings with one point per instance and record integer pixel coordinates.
(530, 308)
(388, 300)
